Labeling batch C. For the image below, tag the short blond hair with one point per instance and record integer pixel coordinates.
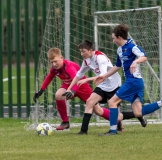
(53, 52)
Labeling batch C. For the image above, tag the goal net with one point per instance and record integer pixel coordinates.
(144, 30)
(55, 35)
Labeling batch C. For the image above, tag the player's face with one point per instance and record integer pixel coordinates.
(116, 40)
(86, 53)
(57, 62)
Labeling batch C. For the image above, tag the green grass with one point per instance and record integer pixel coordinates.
(14, 84)
(134, 143)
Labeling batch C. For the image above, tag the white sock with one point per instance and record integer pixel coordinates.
(159, 103)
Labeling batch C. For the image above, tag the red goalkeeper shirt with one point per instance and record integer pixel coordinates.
(66, 74)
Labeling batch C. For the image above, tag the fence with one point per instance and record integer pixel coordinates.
(22, 24)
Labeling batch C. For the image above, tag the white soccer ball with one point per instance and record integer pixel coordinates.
(44, 129)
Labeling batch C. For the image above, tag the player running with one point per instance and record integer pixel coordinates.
(66, 70)
(99, 63)
(129, 57)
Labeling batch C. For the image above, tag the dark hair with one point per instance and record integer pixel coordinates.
(121, 30)
(86, 45)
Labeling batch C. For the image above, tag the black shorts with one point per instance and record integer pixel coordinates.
(105, 95)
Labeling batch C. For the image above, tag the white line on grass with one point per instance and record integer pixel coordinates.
(6, 79)
(13, 77)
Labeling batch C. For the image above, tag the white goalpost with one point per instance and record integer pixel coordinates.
(145, 30)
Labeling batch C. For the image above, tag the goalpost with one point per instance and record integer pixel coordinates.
(145, 30)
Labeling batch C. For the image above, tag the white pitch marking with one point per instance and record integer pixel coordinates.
(13, 77)
(6, 79)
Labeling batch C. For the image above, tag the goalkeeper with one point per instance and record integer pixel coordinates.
(99, 63)
(66, 70)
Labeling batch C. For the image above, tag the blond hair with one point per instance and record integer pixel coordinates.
(53, 52)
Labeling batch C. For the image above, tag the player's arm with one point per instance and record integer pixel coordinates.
(83, 81)
(141, 58)
(76, 77)
(101, 78)
(106, 70)
(103, 67)
(45, 84)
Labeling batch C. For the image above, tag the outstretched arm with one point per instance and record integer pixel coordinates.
(45, 83)
(75, 80)
(101, 78)
(83, 81)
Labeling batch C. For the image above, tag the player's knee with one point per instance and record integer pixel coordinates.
(59, 96)
(90, 103)
(98, 110)
(112, 104)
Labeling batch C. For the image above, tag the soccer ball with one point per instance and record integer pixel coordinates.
(44, 129)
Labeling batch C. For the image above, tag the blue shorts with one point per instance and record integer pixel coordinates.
(132, 88)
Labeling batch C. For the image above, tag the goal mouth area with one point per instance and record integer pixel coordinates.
(105, 123)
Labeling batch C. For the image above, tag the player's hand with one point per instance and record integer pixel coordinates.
(83, 81)
(37, 95)
(99, 79)
(133, 67)
(69, 94)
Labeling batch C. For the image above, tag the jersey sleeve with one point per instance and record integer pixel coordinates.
(84, 68)
(104, 64)
(138, 51)
(48, 80)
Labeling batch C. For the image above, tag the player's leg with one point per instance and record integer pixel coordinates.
(113, 102)
(102, 112)
(84, 93)
(90, 103)
(62, 109)
(137, 106)
(147, 109)
(132, 91)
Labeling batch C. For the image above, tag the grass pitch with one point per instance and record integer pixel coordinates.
(135, 143)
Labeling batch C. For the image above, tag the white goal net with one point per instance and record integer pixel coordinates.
(145, 30)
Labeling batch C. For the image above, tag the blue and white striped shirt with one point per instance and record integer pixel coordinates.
(126, 54)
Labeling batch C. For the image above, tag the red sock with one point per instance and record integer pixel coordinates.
(61, 107)
(106, 113)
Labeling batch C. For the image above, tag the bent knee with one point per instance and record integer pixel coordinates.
(90, 102)
(138, 114)
(59, 96)
(112, 104)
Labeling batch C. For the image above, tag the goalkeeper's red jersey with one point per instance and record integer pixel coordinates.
(67, 74)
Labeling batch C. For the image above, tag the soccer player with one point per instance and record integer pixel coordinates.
(99, 63)
(129, 57)
(66, 70)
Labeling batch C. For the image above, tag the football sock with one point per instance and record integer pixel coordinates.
(128, 115)
(85, 122)
(106, 113)
(113, 119)
(140, 118)
(61, 107)
(149, 108)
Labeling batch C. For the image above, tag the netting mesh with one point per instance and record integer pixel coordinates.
(144, 31)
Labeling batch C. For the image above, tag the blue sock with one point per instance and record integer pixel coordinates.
(113, 119)
(149, 108)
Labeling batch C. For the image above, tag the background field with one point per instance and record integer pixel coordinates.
(14, 84)
(133, 144)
